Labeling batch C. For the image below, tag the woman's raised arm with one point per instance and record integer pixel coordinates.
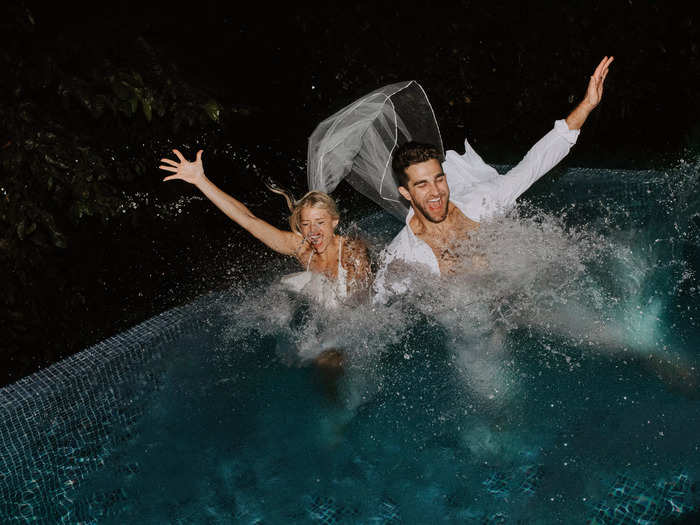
(284, 242)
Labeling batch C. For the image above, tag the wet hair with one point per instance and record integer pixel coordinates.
(411, 153)
(313, 199)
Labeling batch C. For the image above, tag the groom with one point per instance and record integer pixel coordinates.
(449, 200)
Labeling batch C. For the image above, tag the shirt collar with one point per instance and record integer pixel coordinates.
(412, 236)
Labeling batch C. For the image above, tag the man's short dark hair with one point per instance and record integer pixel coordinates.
(411, 153)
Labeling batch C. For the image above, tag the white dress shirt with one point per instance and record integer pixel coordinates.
(479, 192)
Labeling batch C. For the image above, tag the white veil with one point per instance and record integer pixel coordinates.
(357, 142)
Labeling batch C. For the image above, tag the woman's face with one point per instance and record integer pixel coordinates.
(317, 227)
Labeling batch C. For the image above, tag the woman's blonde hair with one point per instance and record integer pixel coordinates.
(313, 199)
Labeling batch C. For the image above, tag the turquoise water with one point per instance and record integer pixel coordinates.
(556, 385)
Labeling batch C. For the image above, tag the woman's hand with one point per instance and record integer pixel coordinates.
(192, 172)
(284, 242)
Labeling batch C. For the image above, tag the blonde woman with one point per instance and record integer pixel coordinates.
(336, 267)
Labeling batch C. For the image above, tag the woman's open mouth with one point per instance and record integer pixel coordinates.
(315, 239)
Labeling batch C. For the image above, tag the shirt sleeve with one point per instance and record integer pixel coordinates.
(465, 171)
(541, 158)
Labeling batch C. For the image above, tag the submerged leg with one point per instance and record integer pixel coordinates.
(677, 375)
(634, 336)
(329, 368)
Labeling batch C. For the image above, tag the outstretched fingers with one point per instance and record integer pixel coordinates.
(606, 70)
(602, 67)
(606, 65)
(599, 67)
(170, 161)
(182, 168)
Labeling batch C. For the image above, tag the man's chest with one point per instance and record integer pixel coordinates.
(448, 245)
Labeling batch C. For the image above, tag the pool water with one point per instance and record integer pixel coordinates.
(557, 384)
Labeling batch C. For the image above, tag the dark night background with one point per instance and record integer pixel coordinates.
(93, 95)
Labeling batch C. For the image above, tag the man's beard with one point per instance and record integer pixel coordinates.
(427, 214)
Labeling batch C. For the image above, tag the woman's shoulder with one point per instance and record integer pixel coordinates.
(357, 263)
(355, 247)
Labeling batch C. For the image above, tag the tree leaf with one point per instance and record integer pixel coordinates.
(213, 109)
(147, 109)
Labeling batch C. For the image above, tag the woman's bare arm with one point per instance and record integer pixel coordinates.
(356, 262)
(284, 242)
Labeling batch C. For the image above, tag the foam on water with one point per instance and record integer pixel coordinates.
(525, 272)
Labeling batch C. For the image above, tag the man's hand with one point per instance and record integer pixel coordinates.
(192, 172)
(594, 94)
(595, 86)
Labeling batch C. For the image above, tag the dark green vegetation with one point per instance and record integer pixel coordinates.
(92, 96)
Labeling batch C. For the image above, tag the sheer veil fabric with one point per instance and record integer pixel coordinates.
(357, 142)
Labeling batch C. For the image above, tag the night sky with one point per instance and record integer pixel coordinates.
(94, 94)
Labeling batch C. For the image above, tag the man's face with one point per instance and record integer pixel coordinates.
(427, 190)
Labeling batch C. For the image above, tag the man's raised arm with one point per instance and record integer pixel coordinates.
(549, 150)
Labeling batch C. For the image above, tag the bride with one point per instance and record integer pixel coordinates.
(336, 267)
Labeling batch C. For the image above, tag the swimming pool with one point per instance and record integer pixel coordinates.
(554, 386)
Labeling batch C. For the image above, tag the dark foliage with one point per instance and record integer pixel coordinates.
(93, 95)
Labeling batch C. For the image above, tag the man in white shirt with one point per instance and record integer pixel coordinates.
(449, 201)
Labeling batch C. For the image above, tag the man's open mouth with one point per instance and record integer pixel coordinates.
(435, 204)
